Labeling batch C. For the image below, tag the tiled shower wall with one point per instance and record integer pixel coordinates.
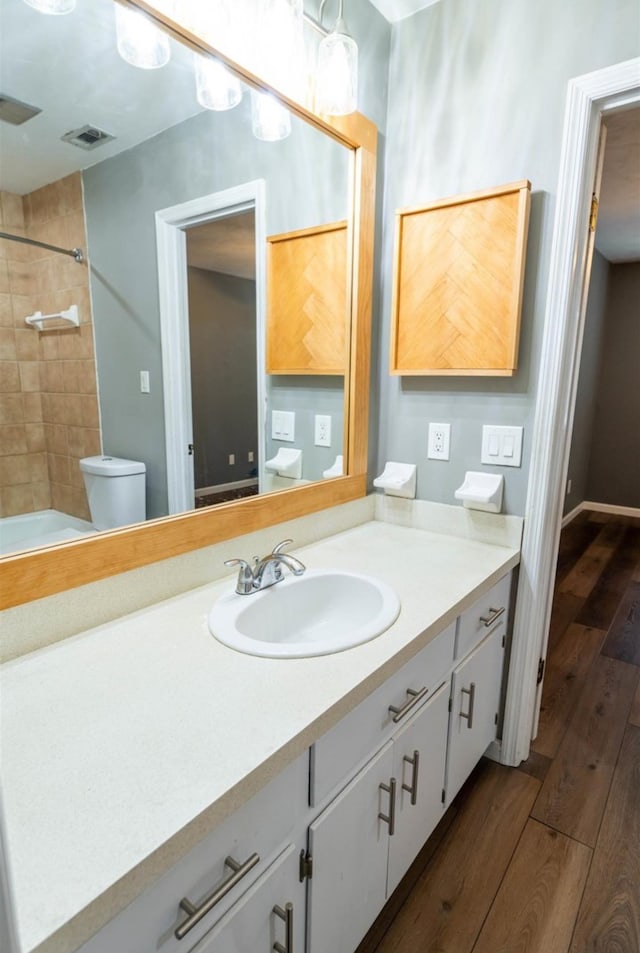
(49, 415)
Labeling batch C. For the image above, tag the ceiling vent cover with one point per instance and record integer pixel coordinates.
(16, 112)
(87, 137)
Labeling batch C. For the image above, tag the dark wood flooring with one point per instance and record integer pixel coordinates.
(545, 858)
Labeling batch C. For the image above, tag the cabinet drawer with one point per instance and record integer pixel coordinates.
(260, 827)
(342, 750)
(489, 612)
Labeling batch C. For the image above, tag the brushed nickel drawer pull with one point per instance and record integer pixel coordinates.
(197, 913)
(495, 615)
(471, 692)
(413, 787)
(390, 818)
(414, 698)
(287, 916)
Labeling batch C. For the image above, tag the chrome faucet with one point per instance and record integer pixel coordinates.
(266, 571)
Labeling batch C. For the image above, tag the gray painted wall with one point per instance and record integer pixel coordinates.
(614, 465)
(477, 98)
(590, 360)
(222, 338)
(308, 397)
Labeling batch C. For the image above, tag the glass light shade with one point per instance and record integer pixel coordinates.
(216, 87)
(140, 42)
(337, 77)
(270, 120)
(52, 6)
(281, 52)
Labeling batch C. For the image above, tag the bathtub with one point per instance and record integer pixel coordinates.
(40, 529)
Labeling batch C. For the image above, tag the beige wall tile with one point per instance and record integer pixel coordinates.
(74, 412)
(22, 277)
(22, 306)
(27, 345)
(71, 191)
(58, 468)
(87, 383)
(75, 474)
(79, 505)
(36, 442)
(6, 311)
(14, 470)
(32, 408)
(29, 376)
(75, 442)
(71, 377)
(90, 415)
(9, 377)
(12, 210)
(56, 438)
(11, 409)
(41, 496)
(15, 500)
(4, 277)
(49, 346)
(8, 344)
(61, 497)
(38, 468)
(74, 231)
(92, 443)
(52, 377)
(12, 440)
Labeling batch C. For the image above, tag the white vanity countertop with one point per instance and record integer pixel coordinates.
(123, 746)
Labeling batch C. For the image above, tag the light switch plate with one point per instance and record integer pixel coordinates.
(283, 425)
(502, 446)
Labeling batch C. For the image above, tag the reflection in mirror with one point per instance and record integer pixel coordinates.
(141, 144)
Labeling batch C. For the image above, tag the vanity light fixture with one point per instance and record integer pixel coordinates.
(216, 87)
(52, 6)
(337, 79)
(270, 120)
(140, 42)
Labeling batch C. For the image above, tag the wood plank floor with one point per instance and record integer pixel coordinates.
(545, 858)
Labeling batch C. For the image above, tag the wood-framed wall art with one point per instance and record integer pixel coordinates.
(457, 284)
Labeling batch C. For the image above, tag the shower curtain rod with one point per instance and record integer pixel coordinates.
(75, 253)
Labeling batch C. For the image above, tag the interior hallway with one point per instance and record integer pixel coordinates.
(546, 858)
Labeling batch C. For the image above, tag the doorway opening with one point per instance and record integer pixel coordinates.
(211, 256)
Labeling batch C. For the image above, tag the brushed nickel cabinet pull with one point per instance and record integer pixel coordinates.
(471, 692)
(197, 913)
(413, 787)
(287, 916)
(414, 698)
(495, 615)
(390, 818)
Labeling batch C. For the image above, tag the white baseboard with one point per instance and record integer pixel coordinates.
(612, 508)
(222, 487)
(571, 515)
(600, 508)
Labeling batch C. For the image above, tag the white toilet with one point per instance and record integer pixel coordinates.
(115, 491)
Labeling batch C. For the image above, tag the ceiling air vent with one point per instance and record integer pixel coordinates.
(16, 112)
(87, 137)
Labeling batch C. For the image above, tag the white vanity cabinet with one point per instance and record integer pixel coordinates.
(269, 916)
(365, 840)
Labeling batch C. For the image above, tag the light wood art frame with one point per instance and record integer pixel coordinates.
(457, 284)
(33, 575)
(308, 307)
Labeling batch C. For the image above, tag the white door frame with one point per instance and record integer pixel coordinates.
(589, 97)
(171, 224)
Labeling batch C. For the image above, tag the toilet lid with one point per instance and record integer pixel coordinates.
(111, 466)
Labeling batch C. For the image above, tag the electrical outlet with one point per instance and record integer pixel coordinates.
(568, 487)
(145, 386)
(232, 459)
(439, 441)
(250, 457)
(322, 430)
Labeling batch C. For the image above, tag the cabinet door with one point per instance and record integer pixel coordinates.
(349, 846)
(420, 750)
(475, 695)
(255, 923)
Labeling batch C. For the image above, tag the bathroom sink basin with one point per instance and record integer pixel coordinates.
(321, 612)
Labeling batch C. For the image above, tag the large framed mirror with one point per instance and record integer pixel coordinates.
(178, 203)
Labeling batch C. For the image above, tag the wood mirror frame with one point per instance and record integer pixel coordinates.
(35, 574)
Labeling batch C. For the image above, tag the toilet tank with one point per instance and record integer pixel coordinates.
(115, 491)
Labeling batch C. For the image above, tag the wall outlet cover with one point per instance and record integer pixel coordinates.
(322, 436)
(439, 441)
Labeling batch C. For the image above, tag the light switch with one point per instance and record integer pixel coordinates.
(283, 425)
(502, 446)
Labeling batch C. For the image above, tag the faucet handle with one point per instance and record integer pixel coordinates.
(280, 546)
(244, 584)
